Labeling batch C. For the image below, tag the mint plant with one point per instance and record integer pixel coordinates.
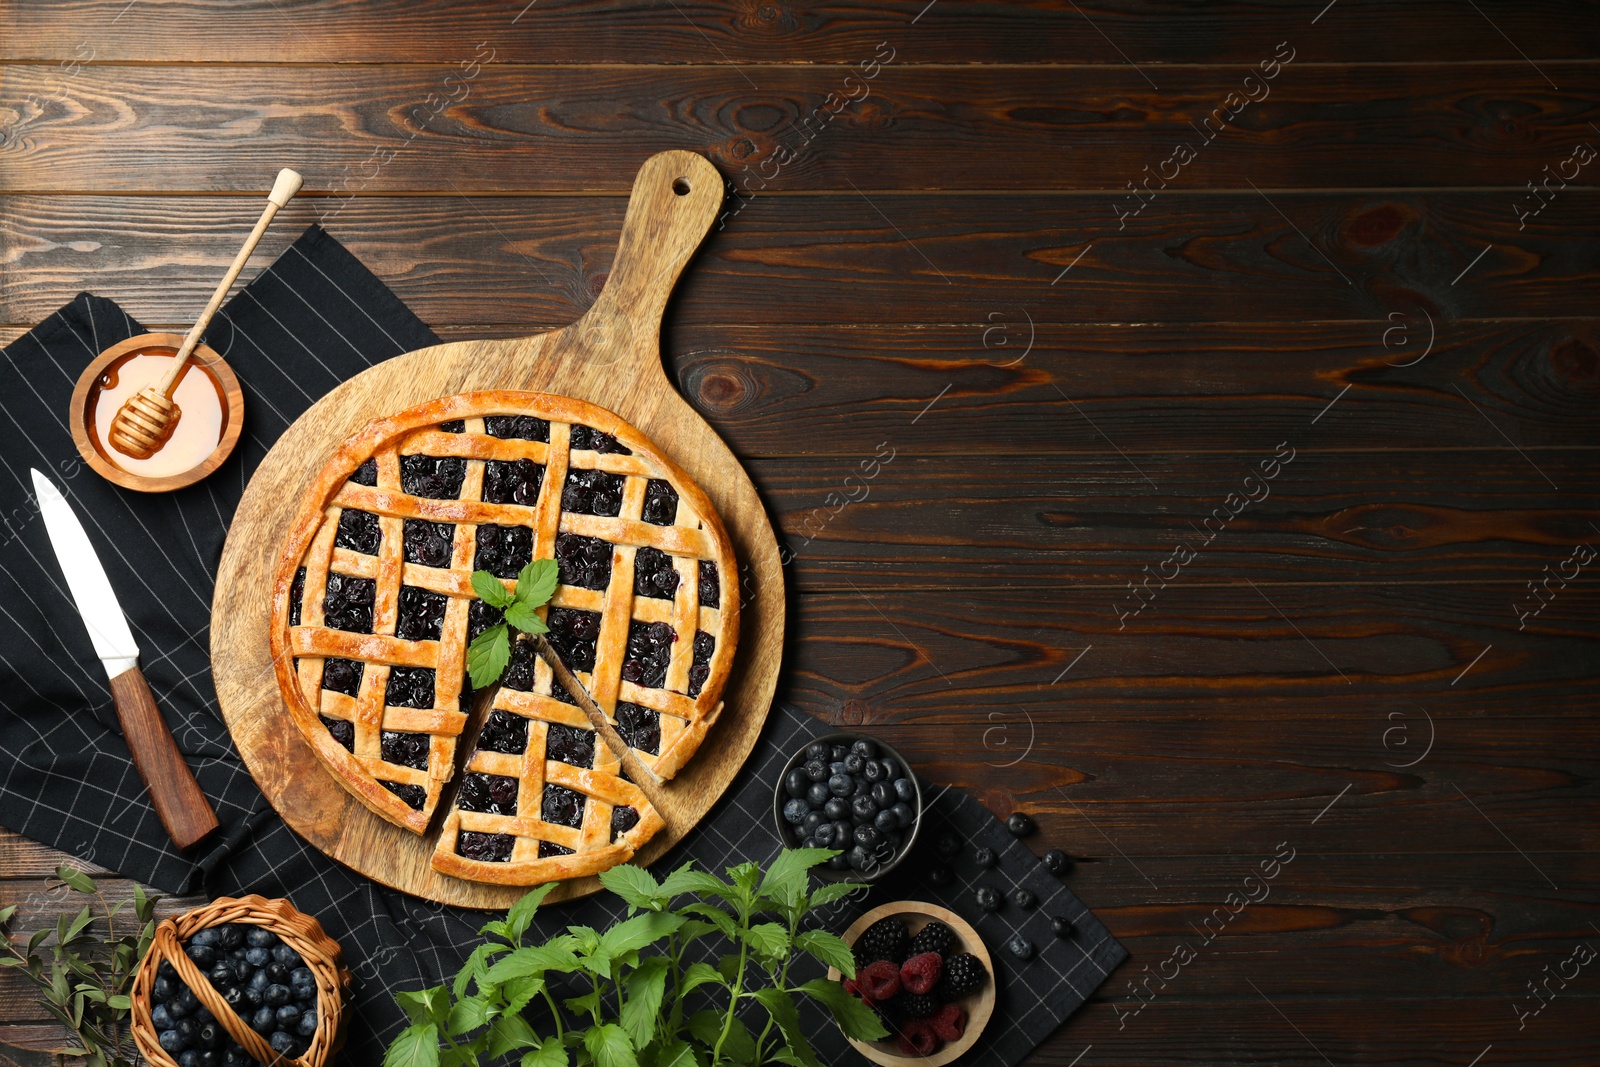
(490, 651)
(641, 1001)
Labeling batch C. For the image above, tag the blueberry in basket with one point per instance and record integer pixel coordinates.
(262, 979)
(853, 794)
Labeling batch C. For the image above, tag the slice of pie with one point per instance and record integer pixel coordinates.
(373, 611)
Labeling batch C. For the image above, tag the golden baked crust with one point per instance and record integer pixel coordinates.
(664, 714)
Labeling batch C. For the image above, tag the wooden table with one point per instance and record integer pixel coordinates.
(952, 246)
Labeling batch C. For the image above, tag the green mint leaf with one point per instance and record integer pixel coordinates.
(76, 879)
(688, 880)
(698, 974)
(417, 1046)
(768, 939)
(829, 948)
(536, 959)
(526, 618)
(549, 1054)
(425, 1005)
(826, 894)
(507, 1033)
(537, 583)
(519, 991)
(785, 881)
(491, 590)
(646, 987)
(488, 655)
(521, 913)
(780, 1005)
(610, 1046)
(854, 1018)
(633, 934)
(675, 1053)
(467, 1015)
(635, 885)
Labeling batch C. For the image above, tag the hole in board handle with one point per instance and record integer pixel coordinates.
(681, 186)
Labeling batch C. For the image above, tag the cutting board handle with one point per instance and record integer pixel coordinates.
(675, 200)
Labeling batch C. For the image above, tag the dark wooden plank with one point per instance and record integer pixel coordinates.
(441, 129)
(1150, 32)
(914, 661)
(832, 258)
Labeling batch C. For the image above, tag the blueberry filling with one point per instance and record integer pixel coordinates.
(660, 503)
(453, 426)
(583, 561)
(410, 687)
(480, 616)
(512, 481)
(342, 675)
(504, 732)
(573, 633)
(358, 531)
(639, 727)
(347, 604)
(623, 819)
(438, 477)
(700, 669)
(421, 614)
(710, 585)
(405, 750)
(653, 574)
(548, 849)
(488, 848)
(343, 732)
(427, 543)
(521, 427)
(492, 793)
(297, 593)
(588, 438)
(592, 492)
(504, 550)
(519, 673)
(570, 745)
(562, 806)
(649, 650)
(366, 474)
(414, 795)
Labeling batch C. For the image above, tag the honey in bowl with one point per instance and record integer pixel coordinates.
(201, 404)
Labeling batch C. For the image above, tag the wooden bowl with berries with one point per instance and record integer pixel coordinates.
(926, 972)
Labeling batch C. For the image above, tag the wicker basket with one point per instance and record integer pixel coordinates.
(301, 932)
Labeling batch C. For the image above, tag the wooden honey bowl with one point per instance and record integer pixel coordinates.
(215, 403)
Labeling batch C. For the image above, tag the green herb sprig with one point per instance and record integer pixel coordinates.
(490, 651)
(85, 983)
(650, 1002)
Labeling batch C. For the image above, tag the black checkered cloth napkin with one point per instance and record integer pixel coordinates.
(311, 320)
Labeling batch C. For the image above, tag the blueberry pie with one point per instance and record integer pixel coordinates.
(374, 610)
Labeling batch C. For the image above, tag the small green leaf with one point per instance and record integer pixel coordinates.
(76, 879)
(826, 894)
(785, 879)
(687, 880)
(678, 1053)
(468, 1014)
(121, 1002)
(698, 974)
(645, 987)
(714, 915)
(507, 1033)
(488, 655)
(610, 1046)
(536, 584)
(854, 1018)
(587, 1004)
(534, 960)
(637, 932)
(491, 590)
(526, 619)
(519, 991)
(521, 913)
(417, 1046)
(474, 968)
(829, 948)
(706, 1026)
(768, 939)
(10, 910)
(780, 1005)
(635, 885)
(549, 1054)
(425, 1005)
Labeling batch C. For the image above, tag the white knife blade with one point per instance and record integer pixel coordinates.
(91, 589)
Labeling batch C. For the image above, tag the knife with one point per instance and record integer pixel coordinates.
(181, 806)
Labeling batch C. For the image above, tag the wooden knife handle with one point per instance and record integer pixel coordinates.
(182, 807)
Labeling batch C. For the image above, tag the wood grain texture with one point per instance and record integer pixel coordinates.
(831, 258)
(610, 357)
(482, 126)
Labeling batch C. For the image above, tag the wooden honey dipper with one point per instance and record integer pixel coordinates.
(148, 417)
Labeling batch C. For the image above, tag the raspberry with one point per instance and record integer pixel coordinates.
(921, 972)
(917, 1038)
(851, 987)
(963, 975)
(949, 1022)
(883, 940)
(935, 937)
(880, 980)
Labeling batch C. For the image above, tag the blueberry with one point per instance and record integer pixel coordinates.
(159, 1017)
(838, 752)
(277, 995)
(282, 1042)
(302, 976)
(263, 1020)
(307, 1026)
(861, 785)
(305, 993)
(817, 750)
(904, 815)
(891, 769)
(229, 936)
(259, 937)
(860, 859)
(809, 842)
(235, 996)
(795, 783)
(873, 771)
(853, 763)
(176, 1009)
(940, 875)
(1020, 947)
(862, 809)
(278, 972)
(236, 1056)
(255, 997)
(1020, 824)
(288, 1015)
(842, 830)
(905, 789)
(221, 975)
(184, 999)
(286, 955)
(864, 748)
(985, 858)
(948, 846)
(988, 899)
(189, 1058)
(260, 981)
(837, 808)
(257, 956)
(868, 838)
(203, 1015)
(162, 988)
(211, 1035)
(210, 1058)
(885, 821)
(170, 1041)
(1056, 862)
(817, 793)
(795, 812)
(883, 795)
(813, 819)
(841, 862)
(207, 936)
(1061, 925)
(187, 1031)
(823, 835)
(817, 771)
(1023, 899)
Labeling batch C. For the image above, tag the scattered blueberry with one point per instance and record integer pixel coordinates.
(1061, 925)
(948, 845)
(988, 899)
(1020, 947)
(985, 857)
(1023, 899)
(1056, 862)
(940, 875)
(1020, 823)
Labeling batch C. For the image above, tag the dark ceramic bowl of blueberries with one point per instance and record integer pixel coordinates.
(852, 793)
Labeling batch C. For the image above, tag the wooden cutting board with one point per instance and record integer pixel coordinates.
(611, 356)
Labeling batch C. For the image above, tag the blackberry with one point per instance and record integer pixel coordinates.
(521, 427)
(653, 574)
(358, 532)
(492, 793)
(935, 937)
(570, 745)
(490, 848)
(649, 649)
(963, 975)
(503, 550)
(512, 481)
(660, 503)
(591, 492)
(589, 439)
(421, 614)
(427, 543)
(414, 795)
(710, 585)
(405, 750)
(343, 732)
(915, 1005)
(700, 669)
(347, 603)
(436, 477)
(366, 474)
(410, 687)
(640, 727)
(885, 939)
(342, 675)
(583, 561)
